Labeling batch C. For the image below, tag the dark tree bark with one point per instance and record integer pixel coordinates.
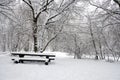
(35, 28)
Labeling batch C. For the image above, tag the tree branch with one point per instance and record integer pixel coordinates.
(31, 7)
(118, 2)
(44, 8)
(60, 12)
(51, 40)
(107, 10)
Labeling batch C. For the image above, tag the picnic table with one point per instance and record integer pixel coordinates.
(43, 57)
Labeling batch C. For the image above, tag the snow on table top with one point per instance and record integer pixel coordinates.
(32, 54)
(45, 53)
(60, 69)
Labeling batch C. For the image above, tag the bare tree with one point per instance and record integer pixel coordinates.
(44, 8)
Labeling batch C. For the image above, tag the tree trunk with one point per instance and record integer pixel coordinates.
(35, 36)
(100, 46)
(92, 36)
(93, 41)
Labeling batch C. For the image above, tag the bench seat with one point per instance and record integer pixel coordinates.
(21, 60)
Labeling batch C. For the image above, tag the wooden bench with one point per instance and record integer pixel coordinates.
(44, 57)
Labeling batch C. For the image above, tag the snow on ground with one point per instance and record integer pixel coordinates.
(63, 68)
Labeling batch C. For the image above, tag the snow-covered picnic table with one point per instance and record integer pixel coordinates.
(43, 57)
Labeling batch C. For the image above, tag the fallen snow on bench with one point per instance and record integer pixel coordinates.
(63, 68)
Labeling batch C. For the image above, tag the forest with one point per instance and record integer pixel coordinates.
(78, 27)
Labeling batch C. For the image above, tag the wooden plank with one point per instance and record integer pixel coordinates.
(21, 60)
(32, 54)
(34, 59)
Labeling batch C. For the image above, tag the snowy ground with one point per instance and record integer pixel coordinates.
(63, 68)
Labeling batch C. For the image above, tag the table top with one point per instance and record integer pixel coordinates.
(33, 54)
